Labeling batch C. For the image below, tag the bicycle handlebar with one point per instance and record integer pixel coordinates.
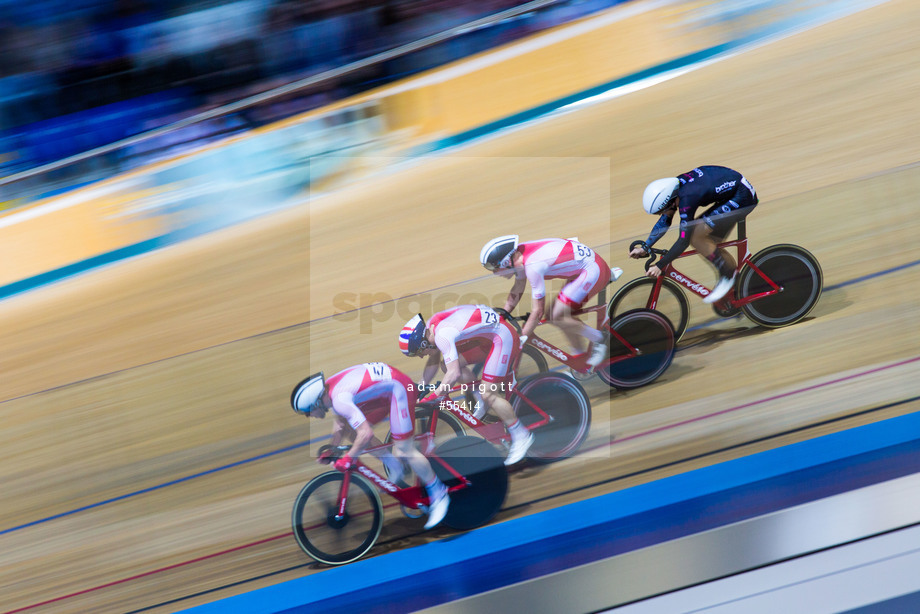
(330, 454)
(652, 252)
(508, 317)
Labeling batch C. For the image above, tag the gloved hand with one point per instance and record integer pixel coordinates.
(422, 390)
(431, 396)
(324, 457)
(344, 463)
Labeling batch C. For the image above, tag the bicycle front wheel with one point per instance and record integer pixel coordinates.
(479, 462)
(448, 425)
(569, 410)
(796, 271)
(333, 539)
(532, 362)
(653, 338)
(635, 294)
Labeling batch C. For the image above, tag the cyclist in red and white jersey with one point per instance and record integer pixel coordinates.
(447, 335)
(362, 396)
(537, 261)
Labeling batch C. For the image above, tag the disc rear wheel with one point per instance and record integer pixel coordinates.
(796, 271)
(569, 410)
(481, 464)
(652, 337)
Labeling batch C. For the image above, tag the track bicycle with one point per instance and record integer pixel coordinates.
(775, 287)
(641, 346)
(554, 407)
(338, 516)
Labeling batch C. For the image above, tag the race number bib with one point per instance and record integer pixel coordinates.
(378, 371)
(581, 252)
(488, 316)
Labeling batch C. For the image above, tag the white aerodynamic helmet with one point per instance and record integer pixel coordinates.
(308, 394)
(497, 253)
(659, 194)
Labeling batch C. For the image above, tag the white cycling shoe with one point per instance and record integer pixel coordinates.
(722, 287)
(598, 354)
(438, 508)
(519, 449)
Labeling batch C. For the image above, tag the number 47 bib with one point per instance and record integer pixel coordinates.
(379, 371)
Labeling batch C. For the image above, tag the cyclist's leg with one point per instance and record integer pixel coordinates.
(438, 498)
(704, 240)
(496, 374)
(716, 224)
(575, 294)
(497, 379)
(402, 429)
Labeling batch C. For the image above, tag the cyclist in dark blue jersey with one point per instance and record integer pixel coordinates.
(722, 195)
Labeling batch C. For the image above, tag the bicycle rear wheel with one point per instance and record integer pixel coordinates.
(331, 540)
(480, 463)
(652, 335)
(635, 294)
(792, 268)
(565, 402)
(532, 362)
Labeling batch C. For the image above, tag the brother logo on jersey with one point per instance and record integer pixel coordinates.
(693, 286)
(725, 186)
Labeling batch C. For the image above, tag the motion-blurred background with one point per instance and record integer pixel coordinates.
(149, 339)
(79, 75)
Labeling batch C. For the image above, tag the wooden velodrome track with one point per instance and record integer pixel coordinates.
(130, 393)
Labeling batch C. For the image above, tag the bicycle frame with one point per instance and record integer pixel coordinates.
(580, 362)
(493, 432)
(410, 496)
(701, 290)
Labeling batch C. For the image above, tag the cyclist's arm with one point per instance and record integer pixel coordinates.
(537, 309)
(451, 376)
(340, 430)
(683, 240)
(514, 297)
(363, 435)
(536, 275)
(431, 368)
(346, 411)
(446, 340)
(660, 228)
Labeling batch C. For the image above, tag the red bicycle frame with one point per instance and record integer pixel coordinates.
(688, 283)
(580, 362)
(493, 432)
(409, 496)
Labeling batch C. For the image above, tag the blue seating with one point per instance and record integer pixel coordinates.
(54, 139)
